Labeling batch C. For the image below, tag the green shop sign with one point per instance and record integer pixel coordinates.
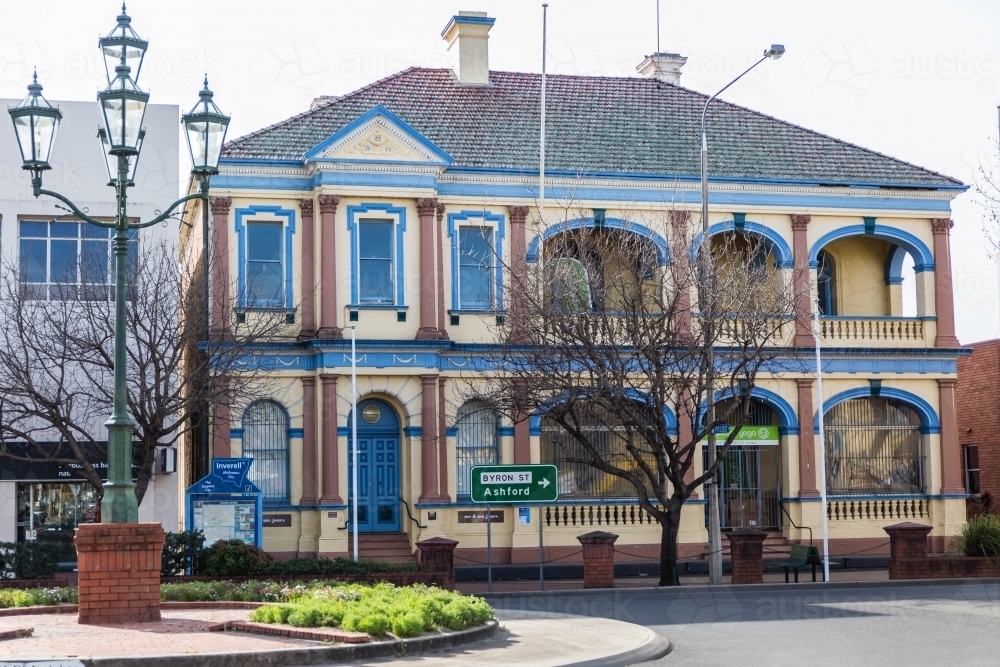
(514, 484)
(750, 435)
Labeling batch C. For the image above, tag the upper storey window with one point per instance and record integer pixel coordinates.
(375, 262)
(475, 268)
(264, 264)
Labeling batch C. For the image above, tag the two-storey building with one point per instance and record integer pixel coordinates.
(367, 209)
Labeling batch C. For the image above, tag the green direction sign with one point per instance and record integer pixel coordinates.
(514, 484)
(751, 435)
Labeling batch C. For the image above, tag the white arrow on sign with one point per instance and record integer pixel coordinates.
(544, 483)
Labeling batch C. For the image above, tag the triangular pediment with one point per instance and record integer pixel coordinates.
(378, 136)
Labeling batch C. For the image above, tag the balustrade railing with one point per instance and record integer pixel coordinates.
(896, 329)
(596, 515)
(894, 509)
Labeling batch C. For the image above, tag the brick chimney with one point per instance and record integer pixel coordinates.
(665, 67)
(468, 34)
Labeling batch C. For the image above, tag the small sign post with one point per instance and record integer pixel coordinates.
(514, 485)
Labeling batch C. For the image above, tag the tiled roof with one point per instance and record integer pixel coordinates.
(595, 125)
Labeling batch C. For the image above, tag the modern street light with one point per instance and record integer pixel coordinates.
(714, 522)
(123, 105)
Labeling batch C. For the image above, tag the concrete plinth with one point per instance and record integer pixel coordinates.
(119, 572)
(747, 549)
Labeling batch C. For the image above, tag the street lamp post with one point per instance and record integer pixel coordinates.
(123, 106)
(714, 522)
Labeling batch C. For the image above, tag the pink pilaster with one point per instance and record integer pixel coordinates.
(951, 458)
(439, 230)
(309, 468)
(807, 440)
(800, 282)
(308, 270)
(331, 451)
(426, 210)
(219, 259)
(328, 286)
(428, 439)
(944, 304)
(442, 443)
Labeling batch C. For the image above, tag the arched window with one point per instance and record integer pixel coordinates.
(873, 445)
(826, 284)
(476, 442)
(265, 440)
(580, 480)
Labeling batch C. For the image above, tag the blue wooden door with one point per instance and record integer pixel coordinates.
(378, 470)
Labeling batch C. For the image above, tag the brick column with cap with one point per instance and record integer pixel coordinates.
(906, 540)
(437, 558)
(800, 282)
(944, 304)
(746, 547)
(219, 259)
(598, 559)
(328, 285)
(118, 570)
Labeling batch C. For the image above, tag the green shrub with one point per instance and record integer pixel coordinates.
(236, 558)
(30, 560)
(374, 623)
(409, 624)
(980, 537)
(30, 597)
(182, 551)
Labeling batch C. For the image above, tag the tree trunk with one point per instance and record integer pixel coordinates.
(668, 548)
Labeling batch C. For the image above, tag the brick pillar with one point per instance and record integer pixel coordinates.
(219, 259)
(119, 572)
(328, 285)
(944, 304)
(308, 328)
(442, 443)
(598, 559)
(437, 556)
(331, 453)
(807, 440)
(222, 423)
(800, 283)
(679, 222)
(747, 548)
(951, 455)
(310, 470)
(906, 540)
(441, 307)
(428, 439)
(426, 210)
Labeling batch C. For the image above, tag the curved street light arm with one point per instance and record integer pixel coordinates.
(202, 194)
(722, 90)
(76, 211)
(166, 214)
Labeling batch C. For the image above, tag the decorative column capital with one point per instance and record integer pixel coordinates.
(426, 206)
(518, 214)
(220, 205)
(440, 211)
(328, 203)
(804, 383)
(308, 381)
(680, 217)
(306, 206)
(800, 222)
(942, 225)
(329, 378)
(947, 383)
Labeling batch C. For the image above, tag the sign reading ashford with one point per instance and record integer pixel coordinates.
(514, 484)
(750, 435)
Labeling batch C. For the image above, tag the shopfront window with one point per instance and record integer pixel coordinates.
(50, 512)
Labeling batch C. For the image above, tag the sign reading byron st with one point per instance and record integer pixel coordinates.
(514, 484)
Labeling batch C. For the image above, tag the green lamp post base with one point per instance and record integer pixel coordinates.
(119, 504)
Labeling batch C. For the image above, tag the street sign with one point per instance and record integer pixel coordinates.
(514, 484)
(752, 435)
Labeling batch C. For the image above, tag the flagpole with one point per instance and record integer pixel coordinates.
(541, 141)
(822, 448)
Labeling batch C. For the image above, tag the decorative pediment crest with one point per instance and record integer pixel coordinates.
(378, 136)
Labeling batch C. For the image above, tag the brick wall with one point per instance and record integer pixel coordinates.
(978, 411)
(944, 567)
(119, 572)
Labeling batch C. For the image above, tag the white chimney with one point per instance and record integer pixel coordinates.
(468, 33)
(665, 67)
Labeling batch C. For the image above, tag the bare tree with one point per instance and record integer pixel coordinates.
(601, 336)
(57, 363)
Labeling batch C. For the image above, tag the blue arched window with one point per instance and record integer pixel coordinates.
(265, 440)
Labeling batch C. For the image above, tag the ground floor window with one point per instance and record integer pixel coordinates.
(972, 469)
(873, 445)
(265, 440)
(50, 512)
(475, 442)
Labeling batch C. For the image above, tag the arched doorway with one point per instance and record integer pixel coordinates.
(378, 467)
(750, 475)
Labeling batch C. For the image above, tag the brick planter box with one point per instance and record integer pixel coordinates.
(908, 558)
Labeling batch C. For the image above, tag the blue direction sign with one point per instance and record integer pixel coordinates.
(514, 484)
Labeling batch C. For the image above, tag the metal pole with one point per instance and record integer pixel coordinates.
(541, 133)
(354, 436)
(822, 448)
(541, 553)
(489, 551)
(204, 456)
(119, 504)
(657, 26)
(714, 524)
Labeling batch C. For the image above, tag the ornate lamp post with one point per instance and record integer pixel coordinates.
(123, 105)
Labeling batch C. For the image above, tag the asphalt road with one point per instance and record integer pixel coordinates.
(951, 625)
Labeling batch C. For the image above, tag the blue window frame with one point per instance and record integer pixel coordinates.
(475, 268)
(265, 440)
(476, 442)
(62, 260)
(265, 270)
(826, 284)
(375, 262)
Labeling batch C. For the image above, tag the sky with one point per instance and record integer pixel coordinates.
(915, 79)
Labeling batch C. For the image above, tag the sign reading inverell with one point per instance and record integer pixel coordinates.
(514, 484)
